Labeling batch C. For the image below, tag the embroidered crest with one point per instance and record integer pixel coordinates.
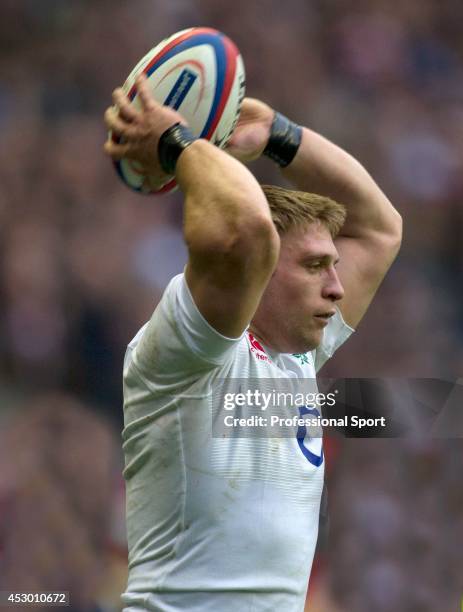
(302, 357)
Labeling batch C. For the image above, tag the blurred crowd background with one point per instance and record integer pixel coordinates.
(84, 262)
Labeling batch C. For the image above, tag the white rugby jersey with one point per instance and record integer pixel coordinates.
(214, 524)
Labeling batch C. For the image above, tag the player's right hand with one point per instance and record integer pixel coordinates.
(252, 131)
(139, 130)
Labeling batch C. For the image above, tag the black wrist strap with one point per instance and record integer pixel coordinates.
(284, 141)
(172, 144)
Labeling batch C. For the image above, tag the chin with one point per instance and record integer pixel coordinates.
(310, 343)
(298, 343)
(311, 347)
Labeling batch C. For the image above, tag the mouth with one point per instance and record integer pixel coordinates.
(324, 317)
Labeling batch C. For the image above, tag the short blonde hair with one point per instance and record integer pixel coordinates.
(297, 208)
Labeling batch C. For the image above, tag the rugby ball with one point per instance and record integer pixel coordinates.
(198, 72)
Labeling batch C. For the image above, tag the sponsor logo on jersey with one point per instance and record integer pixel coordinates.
(257, 349)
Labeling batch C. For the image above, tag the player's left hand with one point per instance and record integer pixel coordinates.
(252, 130)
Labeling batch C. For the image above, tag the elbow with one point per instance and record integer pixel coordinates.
(263, 242)
(396, 232)
(252, 243)
(389, 239)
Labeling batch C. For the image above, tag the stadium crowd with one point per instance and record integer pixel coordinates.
(84, 260)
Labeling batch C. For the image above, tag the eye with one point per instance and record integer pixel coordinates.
(315, 265)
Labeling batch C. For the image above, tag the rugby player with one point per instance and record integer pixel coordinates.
(276, 281)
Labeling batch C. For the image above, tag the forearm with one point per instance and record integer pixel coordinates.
(224, 204)
(322, 167)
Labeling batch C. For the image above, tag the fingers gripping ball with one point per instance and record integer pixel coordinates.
(198, 72)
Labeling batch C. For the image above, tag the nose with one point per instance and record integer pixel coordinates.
(332, 288)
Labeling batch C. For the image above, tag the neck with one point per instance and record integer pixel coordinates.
(261, 337)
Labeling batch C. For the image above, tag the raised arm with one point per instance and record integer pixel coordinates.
(370, 238)
(371, 235)
(232, 243)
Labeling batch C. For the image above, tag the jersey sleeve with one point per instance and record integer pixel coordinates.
(178, 341)
(336, 333)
